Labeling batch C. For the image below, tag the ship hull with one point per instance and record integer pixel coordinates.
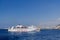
(24, 30)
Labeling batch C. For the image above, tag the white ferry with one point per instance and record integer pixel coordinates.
(21, 28)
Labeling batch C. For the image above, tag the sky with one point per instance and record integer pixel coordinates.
(29, 12)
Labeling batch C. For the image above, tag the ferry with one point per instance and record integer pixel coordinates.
(21, 28)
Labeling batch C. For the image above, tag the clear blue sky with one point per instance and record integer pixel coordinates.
(27, 12)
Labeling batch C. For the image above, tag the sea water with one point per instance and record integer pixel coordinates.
(50, 34)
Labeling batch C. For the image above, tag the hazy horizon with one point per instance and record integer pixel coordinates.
(29, 12)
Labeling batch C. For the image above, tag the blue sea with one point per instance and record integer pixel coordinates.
(44, 34)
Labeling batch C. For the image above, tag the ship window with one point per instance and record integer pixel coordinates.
(23, 27)
(18, 27)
